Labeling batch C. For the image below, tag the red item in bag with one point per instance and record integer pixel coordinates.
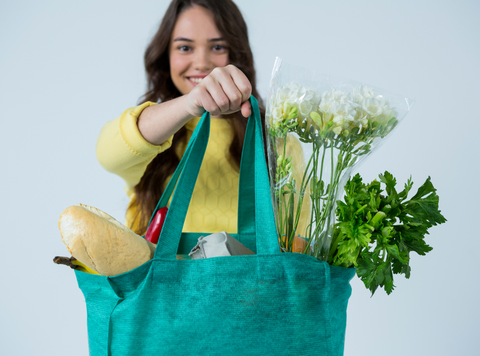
(153, 232)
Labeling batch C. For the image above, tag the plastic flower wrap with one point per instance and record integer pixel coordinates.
(318, 129)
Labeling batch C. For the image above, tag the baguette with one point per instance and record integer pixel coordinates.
(102, 243)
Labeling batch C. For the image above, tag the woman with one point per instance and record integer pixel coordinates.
(199, 59)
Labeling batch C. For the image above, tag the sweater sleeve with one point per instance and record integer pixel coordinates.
(122, 150)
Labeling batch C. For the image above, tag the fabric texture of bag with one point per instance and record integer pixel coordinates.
(270, 303)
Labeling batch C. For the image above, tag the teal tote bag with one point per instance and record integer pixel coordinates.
(270, 303)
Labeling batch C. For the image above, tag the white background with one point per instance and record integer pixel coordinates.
(67, 67)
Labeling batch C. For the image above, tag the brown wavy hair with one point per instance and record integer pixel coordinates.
(231, 25)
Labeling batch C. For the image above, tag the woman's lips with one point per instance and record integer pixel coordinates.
(195, 80)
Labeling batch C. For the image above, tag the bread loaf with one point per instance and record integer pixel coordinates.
(101, 242)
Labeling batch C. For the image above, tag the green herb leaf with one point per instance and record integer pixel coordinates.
(424, 205)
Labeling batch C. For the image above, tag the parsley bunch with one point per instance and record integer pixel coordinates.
(376, 232)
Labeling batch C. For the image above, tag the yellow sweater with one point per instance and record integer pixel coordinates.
(122, 150)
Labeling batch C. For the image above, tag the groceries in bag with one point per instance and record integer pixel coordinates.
(99, 244)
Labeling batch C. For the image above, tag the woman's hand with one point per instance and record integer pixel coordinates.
(224, 91)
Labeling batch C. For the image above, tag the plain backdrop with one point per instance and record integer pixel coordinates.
(67, 67)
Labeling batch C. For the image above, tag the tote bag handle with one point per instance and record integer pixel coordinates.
(255, 210)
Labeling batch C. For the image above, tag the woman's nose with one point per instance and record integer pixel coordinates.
(202, 60)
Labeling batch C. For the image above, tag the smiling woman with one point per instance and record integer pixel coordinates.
(196, 48)
(199, 60)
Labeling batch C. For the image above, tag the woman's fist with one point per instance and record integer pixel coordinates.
(224, 91)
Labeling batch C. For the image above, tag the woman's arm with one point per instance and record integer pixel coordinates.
(122, 150)
(224, 91)
(129, 143)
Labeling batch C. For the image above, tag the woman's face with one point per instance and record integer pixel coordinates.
(196, 48)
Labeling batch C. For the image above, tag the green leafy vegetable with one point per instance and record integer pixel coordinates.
(376, 232)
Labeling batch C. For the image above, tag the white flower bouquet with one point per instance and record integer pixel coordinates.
(318, 129)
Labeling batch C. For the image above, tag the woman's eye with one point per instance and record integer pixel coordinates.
(219, 48)
(184, 48)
